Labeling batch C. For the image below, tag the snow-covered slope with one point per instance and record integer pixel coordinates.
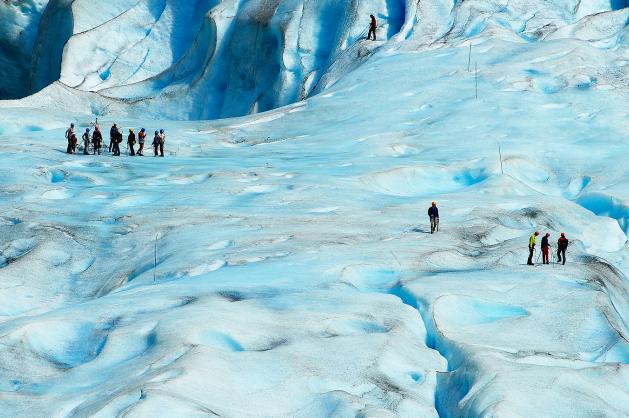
(294, 273)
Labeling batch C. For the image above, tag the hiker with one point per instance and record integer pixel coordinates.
(162, 140)
(433, 214)
(131, 142)
(97, 140)
(113, 134)
(69, 134)
(532, 248)
(156, 143)
(545, 248)
(116, 143)
(372, 27)
(86, 141)
(141, 138)
(74, 142)
(562, 246)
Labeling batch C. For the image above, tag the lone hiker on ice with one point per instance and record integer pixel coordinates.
(532, 247)
(545, 248)
(433, 214)
(562, 246)
(86, 141)
(372, 28)
(69, 135)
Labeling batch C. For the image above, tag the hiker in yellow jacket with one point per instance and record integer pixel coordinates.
(532, 247)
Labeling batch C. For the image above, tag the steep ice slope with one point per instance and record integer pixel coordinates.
(206, 59)
(19, 21)
(234, 57)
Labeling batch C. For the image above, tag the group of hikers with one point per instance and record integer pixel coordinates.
(562, 242)
(115, 139)
(562, 246)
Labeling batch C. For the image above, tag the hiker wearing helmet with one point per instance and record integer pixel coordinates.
(372, 27)
(113, 133)
(86, 141)
(97, 140)
(162, 140)
(433, 214)
(545, 248)
(131, 142)
(141, 138)
(562, 246)
(69, 134)
(532, 247)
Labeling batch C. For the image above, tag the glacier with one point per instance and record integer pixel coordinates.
(278, 261)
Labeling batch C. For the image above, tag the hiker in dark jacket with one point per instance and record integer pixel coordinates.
(113, 134)
(86, 142)
(562, 246)
(117, 142)
(69, 135)
(131, 142)
(433, 214)
(155, 144)
(545, 248)
(97, 140)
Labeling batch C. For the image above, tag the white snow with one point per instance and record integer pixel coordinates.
(280, 264)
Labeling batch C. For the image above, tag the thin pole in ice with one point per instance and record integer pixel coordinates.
(469, 58)
(396, 259)
(500, 154)
(476, 78)
(155, 256)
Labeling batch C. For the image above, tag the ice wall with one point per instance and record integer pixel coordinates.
(19, 22)
(208, 59)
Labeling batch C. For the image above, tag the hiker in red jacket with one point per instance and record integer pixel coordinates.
(372, 27)
(562, 246)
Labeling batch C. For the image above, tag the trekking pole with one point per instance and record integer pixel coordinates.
(155, 257)
(469, 58)
(538, 256)
(551, 250)
(476, 79)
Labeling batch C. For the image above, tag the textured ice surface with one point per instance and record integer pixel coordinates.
(294, 273)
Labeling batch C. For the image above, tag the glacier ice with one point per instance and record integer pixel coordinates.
(278, 263)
